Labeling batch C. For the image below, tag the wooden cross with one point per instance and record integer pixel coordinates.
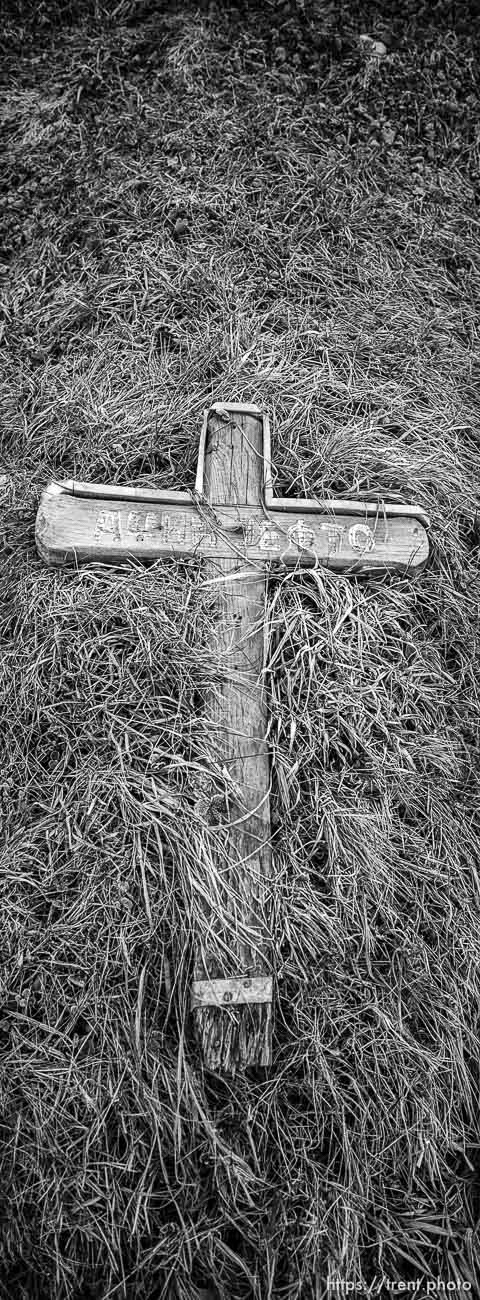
(233, 521)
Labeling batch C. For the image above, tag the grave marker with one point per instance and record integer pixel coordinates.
(240, 530)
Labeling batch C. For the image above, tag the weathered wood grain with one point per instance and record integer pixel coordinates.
(238, 1035)
(70, 528)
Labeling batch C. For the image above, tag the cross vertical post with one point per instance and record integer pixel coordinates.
(240, 983)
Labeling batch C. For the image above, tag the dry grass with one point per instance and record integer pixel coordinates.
(206, 204)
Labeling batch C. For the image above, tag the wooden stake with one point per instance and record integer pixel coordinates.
(233, 1034)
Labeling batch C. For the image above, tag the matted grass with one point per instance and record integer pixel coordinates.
(201, 204)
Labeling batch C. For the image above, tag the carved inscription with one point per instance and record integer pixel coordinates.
(179, 528)
(108, 521)
(335, 535)
(200, 532)
(252, 531)
(261, 533)
(174, 529)
(301, 535)
(141, 522)
(269, 538)
(265, 535)
(361, 538)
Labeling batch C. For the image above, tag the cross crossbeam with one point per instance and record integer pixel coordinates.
(233, 522)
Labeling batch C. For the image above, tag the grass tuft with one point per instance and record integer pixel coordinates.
(222, 203)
